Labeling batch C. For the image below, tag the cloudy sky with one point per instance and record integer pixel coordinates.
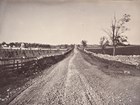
(64, 21)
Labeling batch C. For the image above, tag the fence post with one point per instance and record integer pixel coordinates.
(22, 62)
(17, 64)
(14, 63)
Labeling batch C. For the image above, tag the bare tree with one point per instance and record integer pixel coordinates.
(117, 29)
(103, 43)
(84, 43)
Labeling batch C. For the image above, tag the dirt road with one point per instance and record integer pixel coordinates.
(74, 81)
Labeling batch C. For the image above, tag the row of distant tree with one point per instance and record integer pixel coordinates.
(25, 45)
(30, 45)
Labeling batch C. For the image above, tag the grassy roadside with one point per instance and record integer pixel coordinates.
(112, 68)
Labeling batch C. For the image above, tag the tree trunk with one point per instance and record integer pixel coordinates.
(114, 50)
(103, 50)
(83, 48)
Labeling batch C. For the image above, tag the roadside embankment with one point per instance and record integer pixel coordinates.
(131, 60)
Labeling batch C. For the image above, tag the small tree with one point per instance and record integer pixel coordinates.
(117, 29)
(103, 43)
(3, 43)
(84, 43)
(12, 44)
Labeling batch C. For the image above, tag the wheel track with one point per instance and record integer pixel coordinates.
(51, 83)
(89, 97)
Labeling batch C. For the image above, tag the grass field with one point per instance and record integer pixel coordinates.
(125, 50)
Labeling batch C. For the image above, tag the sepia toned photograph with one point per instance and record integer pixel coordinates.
(69, 52)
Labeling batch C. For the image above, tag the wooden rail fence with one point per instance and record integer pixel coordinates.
(18, 63)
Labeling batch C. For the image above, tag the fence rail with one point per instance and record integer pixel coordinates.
(18, 63)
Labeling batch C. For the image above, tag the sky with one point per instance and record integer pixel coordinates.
(65, 21)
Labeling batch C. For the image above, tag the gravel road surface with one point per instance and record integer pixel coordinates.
(75, 81)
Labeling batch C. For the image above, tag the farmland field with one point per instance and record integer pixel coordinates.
(12, 53)
(129, 55)
(125, 50)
